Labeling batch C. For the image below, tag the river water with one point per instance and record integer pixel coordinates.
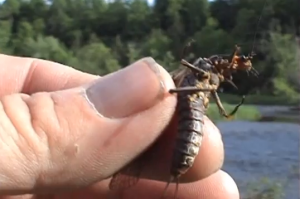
(262, 149)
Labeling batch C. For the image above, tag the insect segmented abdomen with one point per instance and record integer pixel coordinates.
(189, 136)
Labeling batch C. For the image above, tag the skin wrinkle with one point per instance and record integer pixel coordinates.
(43, 137)
(50, 147)
(57, 120)
(35, 133)
(4, 146)
(53, 151)
(70, 148)
(34, 70)
(38, 146)
(29, 74)
(16, 136)
(17, 151)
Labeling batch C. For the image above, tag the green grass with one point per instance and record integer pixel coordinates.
(266, 188)
(245, 112)
(259, 99)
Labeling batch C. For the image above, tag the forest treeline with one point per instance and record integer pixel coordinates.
(99, 36)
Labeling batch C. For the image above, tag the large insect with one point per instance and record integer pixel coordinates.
(195, 83)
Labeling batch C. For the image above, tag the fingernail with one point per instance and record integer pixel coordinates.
(130, 90)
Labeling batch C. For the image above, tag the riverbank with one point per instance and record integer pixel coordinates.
(279, 113)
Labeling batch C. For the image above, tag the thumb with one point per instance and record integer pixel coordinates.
(75, 137)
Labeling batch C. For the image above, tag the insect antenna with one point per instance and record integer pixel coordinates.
(256, 29)
(176, 188)
(253, 70)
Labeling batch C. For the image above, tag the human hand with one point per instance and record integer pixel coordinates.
(64, 130)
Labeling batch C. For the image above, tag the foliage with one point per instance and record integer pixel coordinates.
(284, 50)
(96, 57)
(102, 36)
(264, 188)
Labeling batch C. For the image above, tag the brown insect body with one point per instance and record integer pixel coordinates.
(195, 85)
(191, 109)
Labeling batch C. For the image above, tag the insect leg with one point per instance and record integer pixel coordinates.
(254, 72)
(176, 188)
(221, 108)
(194, 68)
(232, 83)
(190, 89)
(176, 179)
(232, 58)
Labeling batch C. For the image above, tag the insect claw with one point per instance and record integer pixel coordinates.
(253, 69)
(191, 41)
(247, 73)
(230, 117)
(254, 73)
(232, 83)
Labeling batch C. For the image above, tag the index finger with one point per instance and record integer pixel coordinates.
(31, 75)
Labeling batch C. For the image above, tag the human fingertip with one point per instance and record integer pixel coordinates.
(165, 78)
(219, 185)
(130, 90)
(229, 185)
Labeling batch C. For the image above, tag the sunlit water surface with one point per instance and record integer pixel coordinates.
(262, 149)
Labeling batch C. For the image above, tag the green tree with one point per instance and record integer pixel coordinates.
(284, 54)
(194, 14)
(48, 48)
(5, 35)
(170, 20)
(157, 45)
(24, 32)
(139, 20)
(212, 40)
(96, 58)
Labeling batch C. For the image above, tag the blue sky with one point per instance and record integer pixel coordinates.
(150, 1)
